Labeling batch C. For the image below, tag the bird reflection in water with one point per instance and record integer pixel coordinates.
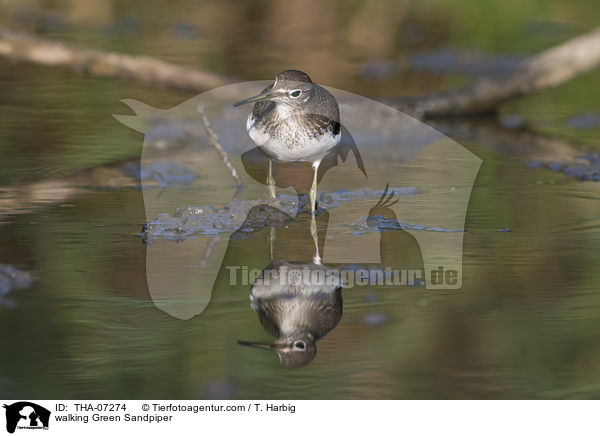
(294, 310)
(298, 303)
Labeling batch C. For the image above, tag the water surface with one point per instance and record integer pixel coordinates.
(522, 326)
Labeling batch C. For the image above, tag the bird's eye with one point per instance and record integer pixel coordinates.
(296, 93)
(300, 345)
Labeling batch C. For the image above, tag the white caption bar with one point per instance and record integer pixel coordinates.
(252, 417)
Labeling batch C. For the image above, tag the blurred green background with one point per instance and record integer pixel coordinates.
(523, 326)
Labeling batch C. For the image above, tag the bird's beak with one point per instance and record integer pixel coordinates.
(260, 345)
(265, 95)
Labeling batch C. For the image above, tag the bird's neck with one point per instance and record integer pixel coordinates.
(285, 111)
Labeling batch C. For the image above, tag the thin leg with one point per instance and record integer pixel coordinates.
(313, 188)
(272, 193)
(271, 181)
(313, 222)
(315, 237)
(272, 237)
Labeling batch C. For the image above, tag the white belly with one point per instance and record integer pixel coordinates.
(296, 146)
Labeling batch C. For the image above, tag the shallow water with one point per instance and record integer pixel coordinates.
(523, 325)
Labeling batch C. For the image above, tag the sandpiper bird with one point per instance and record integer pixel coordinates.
(296, 310)
(294, 120)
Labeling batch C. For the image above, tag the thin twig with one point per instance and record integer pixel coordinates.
(213, 140)
(208, 251)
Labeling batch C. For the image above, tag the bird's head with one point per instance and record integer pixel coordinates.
(291, 87)
(294, 351)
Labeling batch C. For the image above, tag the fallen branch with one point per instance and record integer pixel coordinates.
(26, 48)
(545, 70)
(213, 140)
